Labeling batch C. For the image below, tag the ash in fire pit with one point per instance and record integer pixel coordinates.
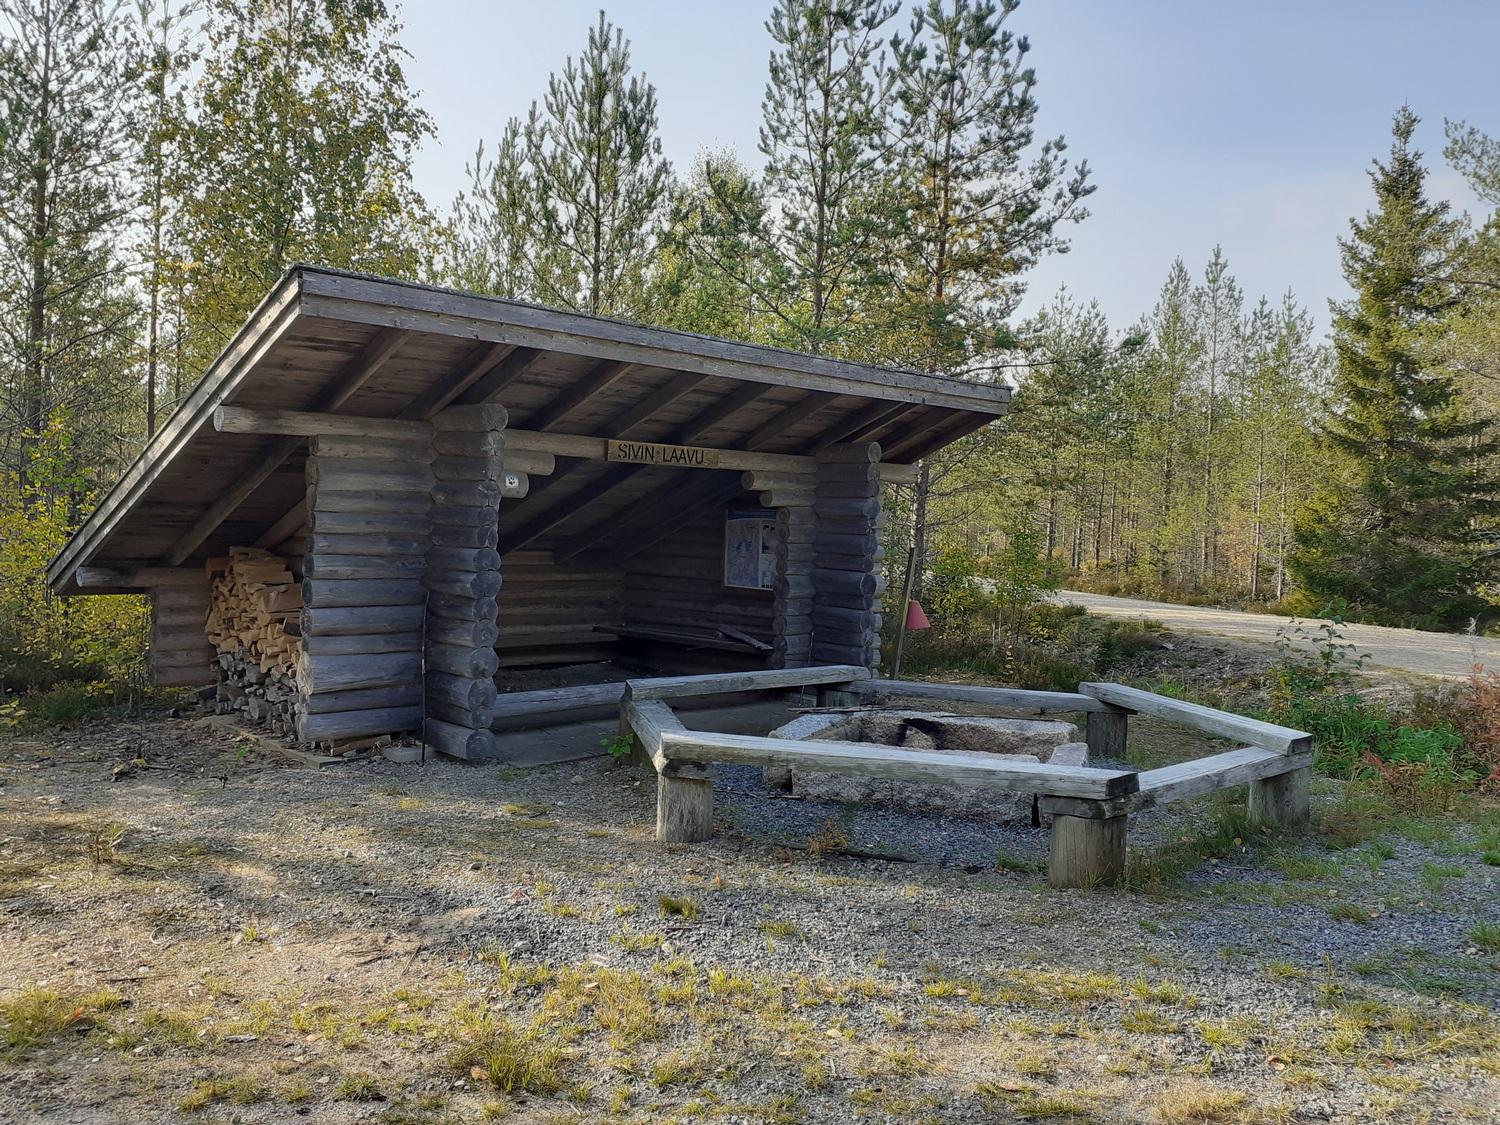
(1032, 740)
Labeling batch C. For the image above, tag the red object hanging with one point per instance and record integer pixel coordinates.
(916, 616)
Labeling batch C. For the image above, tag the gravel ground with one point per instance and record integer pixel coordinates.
(446, 942)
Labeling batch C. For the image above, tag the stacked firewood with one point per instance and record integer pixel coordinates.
(253, 622)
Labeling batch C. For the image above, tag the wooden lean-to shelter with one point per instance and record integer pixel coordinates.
(324, 523)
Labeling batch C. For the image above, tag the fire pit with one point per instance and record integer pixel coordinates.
(1032, 740)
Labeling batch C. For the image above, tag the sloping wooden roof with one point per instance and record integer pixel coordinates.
(330, 340)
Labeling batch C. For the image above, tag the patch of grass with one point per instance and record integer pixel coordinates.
(1198, 1104)
(1436, 876)
(1486, 935)
(40, 1015)
(1159, 992)
(1148, 1021)
(241, 1091)
(359, 1088)
(633, 941)
(1163, 868)
(831, 840)
(1226, 1034)
(511, 1057)
(1284, 970)
(1014, 864)
(1348, 912)
(1051, 1107)
(779, 929)
(679, 907)
(525, 808)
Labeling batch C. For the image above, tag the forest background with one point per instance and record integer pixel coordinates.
(162, 164)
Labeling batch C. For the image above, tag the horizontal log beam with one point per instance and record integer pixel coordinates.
(1044, 701)
(866, 760)
(1222, 724)
(773, 679)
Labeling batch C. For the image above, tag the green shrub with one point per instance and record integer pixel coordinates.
(72, 702)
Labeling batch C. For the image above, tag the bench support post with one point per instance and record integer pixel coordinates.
(1281, 801)
(684, 809)
(1105, 732)
(1086, 851)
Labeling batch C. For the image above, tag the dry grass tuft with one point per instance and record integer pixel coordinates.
(1196, 1103)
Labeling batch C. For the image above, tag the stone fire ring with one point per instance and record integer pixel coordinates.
(1031, 740)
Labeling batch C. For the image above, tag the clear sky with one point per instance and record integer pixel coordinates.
(1248, 124)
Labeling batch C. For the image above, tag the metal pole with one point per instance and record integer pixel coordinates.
(911, 567)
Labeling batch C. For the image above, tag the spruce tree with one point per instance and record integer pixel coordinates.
(1399, 535)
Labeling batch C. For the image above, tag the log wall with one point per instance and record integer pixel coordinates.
(363, 600)
(677, 584)
(846, 556)
(549, 611)
(180, 655)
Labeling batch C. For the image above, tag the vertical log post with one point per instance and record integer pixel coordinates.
(463, 578)
(1106, 733)
(846, 556)
(180, 655)
(1087, 851)
(684, 808)
(1281, 801)
(791, 642)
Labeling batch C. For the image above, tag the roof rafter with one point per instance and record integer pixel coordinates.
(371, 358)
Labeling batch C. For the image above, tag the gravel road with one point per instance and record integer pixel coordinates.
(1402, 650)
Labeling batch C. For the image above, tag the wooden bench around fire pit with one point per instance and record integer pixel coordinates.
(1089, 805)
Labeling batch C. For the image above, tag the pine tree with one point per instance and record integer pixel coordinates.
(1402, 536)
(979, 209)
(66, 320)
(164, 50)
(708, 273)
(824, 140)
(298, 148)
(571, 209)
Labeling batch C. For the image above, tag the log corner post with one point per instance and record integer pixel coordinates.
(368, 515)
(846, 555)
(1281, 801)
(793, 589)
(463, 579)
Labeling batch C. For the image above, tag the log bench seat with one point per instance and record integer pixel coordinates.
(1089, 805)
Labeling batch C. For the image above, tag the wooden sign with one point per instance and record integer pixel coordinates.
(673, 456)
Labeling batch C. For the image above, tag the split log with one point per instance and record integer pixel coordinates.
(461, 691)
(463, 608)
(361, 619)
(342, 673)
